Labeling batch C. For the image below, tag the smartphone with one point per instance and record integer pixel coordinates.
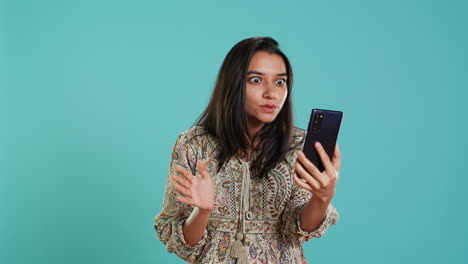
(324, 126)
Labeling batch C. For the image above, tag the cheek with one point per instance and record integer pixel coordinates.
(284, 95)
(253, 94)
(250, 98)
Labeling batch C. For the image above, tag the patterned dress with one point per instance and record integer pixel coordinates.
(270, 219)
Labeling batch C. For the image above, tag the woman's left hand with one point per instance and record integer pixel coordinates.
(321, 184)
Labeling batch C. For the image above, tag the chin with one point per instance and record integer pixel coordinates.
(267, 119)
(263, 118)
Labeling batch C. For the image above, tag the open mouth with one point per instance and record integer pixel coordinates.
(268, 108)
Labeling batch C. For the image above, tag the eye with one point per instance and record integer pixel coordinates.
(281, 82)
(255, 80)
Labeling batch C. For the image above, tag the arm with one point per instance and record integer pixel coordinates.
(322, 184)
(316, 189)
(301, 218)
(195, 226)
(169, 222)
(199, 193)
(313, 214)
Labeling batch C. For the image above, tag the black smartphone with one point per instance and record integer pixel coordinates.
(324, 126)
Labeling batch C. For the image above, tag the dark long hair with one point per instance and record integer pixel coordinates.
(226, 118)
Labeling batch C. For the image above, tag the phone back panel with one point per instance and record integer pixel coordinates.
(326, 133)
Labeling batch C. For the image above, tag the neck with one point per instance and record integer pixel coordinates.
(254, 128)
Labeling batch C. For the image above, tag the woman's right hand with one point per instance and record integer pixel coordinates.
(196, 191)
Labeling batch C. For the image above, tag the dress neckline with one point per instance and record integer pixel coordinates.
(252, 157)
(242, 160)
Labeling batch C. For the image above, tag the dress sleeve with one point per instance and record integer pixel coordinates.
(291, 216)
(168, 223)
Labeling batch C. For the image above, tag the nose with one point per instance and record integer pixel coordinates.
(270, 92)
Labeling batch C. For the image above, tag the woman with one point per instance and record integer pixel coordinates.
(239, 188)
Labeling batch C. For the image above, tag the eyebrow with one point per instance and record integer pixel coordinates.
(261, 73)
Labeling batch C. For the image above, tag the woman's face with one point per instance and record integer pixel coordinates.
(266, 88)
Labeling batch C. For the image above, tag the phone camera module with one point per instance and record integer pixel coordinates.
(317, 122)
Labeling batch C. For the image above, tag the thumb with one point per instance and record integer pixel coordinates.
(202, 169)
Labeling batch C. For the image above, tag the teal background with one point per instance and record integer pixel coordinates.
(94, 93)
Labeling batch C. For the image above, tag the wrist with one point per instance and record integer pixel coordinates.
(320, 199)
(204, 211)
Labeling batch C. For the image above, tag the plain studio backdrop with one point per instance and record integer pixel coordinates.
(94, 93)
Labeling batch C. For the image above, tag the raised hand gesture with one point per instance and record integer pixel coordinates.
(196, 191)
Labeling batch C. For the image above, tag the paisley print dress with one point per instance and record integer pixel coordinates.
(270, 221)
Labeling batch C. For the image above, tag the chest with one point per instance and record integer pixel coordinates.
(267, 197)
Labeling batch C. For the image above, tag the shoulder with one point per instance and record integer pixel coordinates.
(193, 137)
(196, 143)
(298, 132)
(297, 143)
(297, 138)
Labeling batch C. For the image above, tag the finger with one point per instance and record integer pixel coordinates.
(203, 170)
(181, 181)
(306, 176)
(184, 200)
(185, 173)
(311, 168)
(307, 164)
(183, 190)
(336, 160)
(301, 183)
(325, 160)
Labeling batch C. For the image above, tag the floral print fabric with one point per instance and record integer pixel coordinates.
(272, 230)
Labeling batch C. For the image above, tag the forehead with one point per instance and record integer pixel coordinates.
(265, 62)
